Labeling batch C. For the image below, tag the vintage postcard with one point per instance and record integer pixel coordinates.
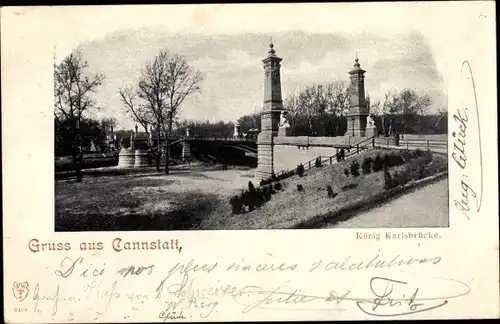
(250, 162)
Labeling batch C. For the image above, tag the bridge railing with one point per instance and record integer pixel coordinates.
(426, 144)
(216, 138)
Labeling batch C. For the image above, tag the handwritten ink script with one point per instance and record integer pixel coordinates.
(466, 151)
(83, 286)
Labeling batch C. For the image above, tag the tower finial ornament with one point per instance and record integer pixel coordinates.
(356, 61)
(271, 52)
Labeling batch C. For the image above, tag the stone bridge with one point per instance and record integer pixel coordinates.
(275, 149)
(227, 150)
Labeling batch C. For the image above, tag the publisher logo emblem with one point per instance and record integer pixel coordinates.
(20, 290)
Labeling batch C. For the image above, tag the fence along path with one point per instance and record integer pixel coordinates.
(364, 145)
(433, 145)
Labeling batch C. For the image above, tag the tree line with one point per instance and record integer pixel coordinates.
(92, 131)
(321, 109)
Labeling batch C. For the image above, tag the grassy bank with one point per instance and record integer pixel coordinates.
(144, 199)
(289, 207)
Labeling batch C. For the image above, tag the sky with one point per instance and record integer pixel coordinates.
(233, 71)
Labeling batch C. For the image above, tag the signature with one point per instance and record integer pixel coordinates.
(460, 151)
(390, 301)
(391, 297)
(281, 296)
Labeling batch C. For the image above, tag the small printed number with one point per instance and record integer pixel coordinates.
(18, 310)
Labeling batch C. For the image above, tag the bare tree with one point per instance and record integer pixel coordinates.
(306, 105)
(108, 123)
(383, 108)
(164, 85)
(139, 111)
(72, 99)
(316, 100)
(410, 105)
(443, 113)
(339, 101)
(290, 103)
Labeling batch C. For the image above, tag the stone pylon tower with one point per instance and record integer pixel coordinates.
(356, 116)
(270, 116)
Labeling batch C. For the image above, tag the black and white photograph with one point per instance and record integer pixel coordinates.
(160, 130)
(250, 162)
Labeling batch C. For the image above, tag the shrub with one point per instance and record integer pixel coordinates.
(395, 159)
(251, 187)
(427, 156)
(285, 175)
(270, 189)
(385, 160)
(366, 166)
(317, 163)
(417, 168)
(407, 155)
(300, 170)
(437, 165)
(346, 172)
(399, 179)
(389, 183)
(246, 199)
(331, 194)
(277, 186)
(259, 197)
(236, 205)
(419, 152)
(266, 193)
(355, 168)
(378, 164)
(412, 171)
(300, 188)
(252, 199)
